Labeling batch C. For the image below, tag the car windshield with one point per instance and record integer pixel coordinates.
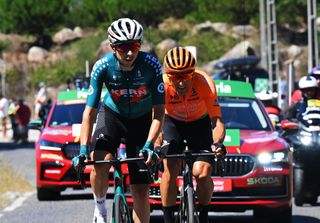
(66, 115)
(238, 113)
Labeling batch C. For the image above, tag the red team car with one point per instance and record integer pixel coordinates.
(58, 143)
(258, 166)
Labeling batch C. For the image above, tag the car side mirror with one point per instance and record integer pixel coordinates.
(288, 125)
(36, 124)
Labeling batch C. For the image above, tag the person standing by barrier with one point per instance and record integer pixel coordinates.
(23, 114)
(4, 105)
(45, 110)
(13, 119)
(40, 98)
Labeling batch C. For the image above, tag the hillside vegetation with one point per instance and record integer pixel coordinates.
(38, 20)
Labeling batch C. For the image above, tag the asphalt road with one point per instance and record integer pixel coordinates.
(77, 206)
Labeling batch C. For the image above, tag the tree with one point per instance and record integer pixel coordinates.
(35, 17)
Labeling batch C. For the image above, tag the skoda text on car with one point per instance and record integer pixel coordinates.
(258, 166)
(58, 143)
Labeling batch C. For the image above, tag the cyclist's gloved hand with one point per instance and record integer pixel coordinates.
(148, 149)
(219, 150)
(84, 151)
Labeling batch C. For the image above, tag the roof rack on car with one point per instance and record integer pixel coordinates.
(237, 63)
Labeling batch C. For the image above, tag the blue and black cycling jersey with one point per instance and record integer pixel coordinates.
(130, 94)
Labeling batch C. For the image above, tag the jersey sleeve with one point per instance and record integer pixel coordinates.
(157, 86)
(96, 83)
(209, 94)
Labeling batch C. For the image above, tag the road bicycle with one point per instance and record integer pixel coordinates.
(120, 209)
(187, 212)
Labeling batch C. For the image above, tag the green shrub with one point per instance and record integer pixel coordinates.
(210, 45)
(155, 35)
(4, 45)
(13, 76)
(69, 68)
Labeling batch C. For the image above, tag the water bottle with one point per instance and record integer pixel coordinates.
(122, 149)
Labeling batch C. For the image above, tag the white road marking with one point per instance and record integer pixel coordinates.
(18, 202)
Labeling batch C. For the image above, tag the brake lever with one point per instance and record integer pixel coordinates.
(80, 171)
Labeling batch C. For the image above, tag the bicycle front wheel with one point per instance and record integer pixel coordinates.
(192, 215)
(187, 210)
(121, 210)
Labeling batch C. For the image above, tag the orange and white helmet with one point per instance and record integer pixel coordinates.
(179, 61)
(125, 30)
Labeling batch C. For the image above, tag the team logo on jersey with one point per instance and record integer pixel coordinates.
(134, 94)
(90, 91)
(160, 87)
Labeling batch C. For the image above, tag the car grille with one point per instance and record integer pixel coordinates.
(71, 150)
(235, 165)
(280, 191)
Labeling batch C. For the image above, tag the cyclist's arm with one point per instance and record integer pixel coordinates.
(210, 97)
(159, 140)
(87, 125)
(157, 121)
(218, 130)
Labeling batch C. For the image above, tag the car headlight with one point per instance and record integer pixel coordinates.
(52, 146)
(265, 157)
(306, 140)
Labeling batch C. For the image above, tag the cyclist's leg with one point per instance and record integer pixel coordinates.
(105, 140)
(141, 206)
(202, 172)
(201, 139)
(168, 187)
(140, 179)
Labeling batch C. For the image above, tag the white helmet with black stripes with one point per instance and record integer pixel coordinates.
(124, 30)
(308, 82)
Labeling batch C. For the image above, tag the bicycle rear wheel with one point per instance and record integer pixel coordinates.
(120, 210)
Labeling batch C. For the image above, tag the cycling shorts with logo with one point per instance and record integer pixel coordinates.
(114, 127)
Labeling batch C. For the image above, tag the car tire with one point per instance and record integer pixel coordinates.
(311, 200)
(46, 194)
(298, 186)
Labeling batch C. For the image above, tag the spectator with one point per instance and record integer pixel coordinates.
(44, 110)
(40, 98)
(23, 114)
(4, 104)
(12, 105)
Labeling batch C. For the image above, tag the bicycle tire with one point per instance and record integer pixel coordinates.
(182, 208)
(192, 216)
(121, 210)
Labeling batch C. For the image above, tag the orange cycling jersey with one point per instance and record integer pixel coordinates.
(200, 100)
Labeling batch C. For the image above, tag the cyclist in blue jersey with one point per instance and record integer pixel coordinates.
(132, 108)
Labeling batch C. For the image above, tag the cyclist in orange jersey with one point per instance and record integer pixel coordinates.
(192, 113)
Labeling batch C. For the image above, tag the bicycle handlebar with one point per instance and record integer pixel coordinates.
(188, 154)
(115, 160)
(153, 170)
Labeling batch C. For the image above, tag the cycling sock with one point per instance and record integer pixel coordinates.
(203, 213)
(100, 207)
(168, 214)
